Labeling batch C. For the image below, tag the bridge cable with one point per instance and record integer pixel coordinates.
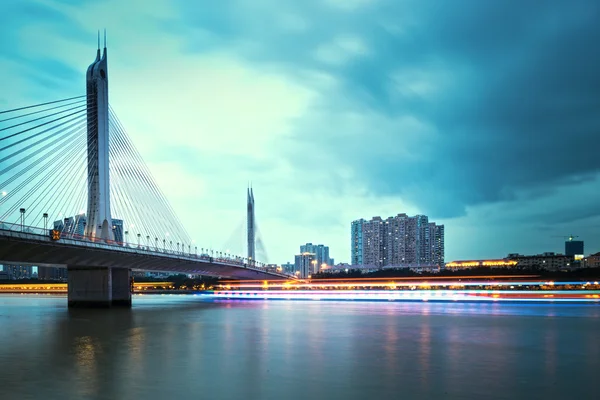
(135, 173)
(57, 132)
(118, 166)
(40, 104)
(51, 200)
(157, 192)
(49, 207)
(41, 156)
(69, 169)
(81, 101)
(151, 211)
(40, 125)
(46, 116)
(57, 206)
(56, 161)
(149, 181)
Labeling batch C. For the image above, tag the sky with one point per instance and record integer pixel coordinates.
(483, 115)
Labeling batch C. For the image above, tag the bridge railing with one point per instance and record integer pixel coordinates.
(19, 231)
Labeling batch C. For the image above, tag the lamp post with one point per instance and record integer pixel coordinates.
(196, 249)
(177, 247)
(171, 243)
(139, 235)
(45, 216)
(22, 210)
(126, 238)
(148, 241)
(164, 245)
(156, 243)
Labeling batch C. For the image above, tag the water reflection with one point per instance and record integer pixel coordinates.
(182, 347)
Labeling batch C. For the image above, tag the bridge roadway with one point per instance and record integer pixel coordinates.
(33, 248)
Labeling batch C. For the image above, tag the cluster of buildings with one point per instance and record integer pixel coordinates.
(311, 259)
(17, 272)
(76, 226)
(573, 258)
(399, 241)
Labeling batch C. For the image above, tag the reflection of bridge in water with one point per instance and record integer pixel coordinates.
(54, 162)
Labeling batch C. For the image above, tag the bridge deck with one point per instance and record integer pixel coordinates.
(38, 249)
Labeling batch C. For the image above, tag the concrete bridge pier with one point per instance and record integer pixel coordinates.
(121, 287)
(94, 287)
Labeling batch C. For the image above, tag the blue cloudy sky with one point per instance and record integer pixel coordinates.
(484, 115)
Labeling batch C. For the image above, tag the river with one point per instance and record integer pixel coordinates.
(184, 347)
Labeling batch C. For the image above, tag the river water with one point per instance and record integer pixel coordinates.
(184, 347)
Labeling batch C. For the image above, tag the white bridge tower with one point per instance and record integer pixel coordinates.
(99, 222)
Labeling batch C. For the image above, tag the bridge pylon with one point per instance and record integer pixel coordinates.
(251, 227)
(99, 223)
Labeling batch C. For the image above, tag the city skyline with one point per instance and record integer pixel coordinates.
(398, 136)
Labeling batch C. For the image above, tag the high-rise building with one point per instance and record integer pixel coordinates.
(288, 268)
(397, 241)
(438, 247)
(118, 230)
(306, 264)
(72, 225)
(320, 251)
(574, 248)
(356, 242)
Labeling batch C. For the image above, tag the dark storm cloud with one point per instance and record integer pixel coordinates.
(519, 108)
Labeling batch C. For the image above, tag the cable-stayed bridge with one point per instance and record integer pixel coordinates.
(75, 192)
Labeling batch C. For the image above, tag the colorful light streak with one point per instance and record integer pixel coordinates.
(413, 295)
(429, 278)
(393, 284)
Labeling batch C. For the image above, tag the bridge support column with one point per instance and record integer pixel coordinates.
(89, 286)
(121, 287)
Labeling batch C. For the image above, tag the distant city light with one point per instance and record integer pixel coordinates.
(482, 263)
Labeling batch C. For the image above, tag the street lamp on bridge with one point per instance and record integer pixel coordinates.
(45, 216)
(139, 235)
(126, 236)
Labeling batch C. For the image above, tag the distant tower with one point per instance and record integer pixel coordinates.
(251, 226)
(99, 223)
